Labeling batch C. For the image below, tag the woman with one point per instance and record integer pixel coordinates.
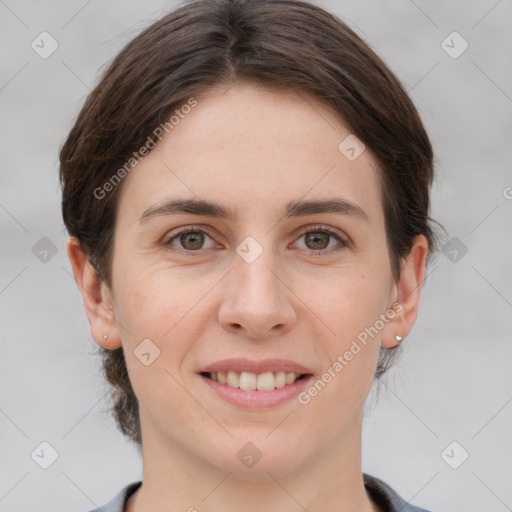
(247, 197)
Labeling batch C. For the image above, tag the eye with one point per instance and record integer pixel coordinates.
(190, 240)
(317, 240)
(320, 239)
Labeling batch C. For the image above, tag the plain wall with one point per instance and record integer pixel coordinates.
(453, 382)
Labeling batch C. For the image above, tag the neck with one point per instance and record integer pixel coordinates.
(175, 479)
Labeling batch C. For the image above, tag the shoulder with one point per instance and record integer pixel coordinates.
(381, 493)
(117, 503)
(385, 497)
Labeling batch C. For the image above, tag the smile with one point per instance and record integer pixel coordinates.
(249, 381)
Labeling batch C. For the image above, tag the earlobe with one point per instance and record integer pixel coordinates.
(407, 294)
(97, 298)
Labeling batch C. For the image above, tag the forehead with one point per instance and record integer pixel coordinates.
(254, 148)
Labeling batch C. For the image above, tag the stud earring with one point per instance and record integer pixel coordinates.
(105, 337)
(398, 338)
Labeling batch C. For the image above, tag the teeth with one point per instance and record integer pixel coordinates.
(266, 381)
(290, 378)
(280, 379)
(248, 381)
(233, 380)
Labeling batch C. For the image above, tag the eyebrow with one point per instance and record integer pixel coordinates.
(334, 205)
(191, 206)
(296, 208)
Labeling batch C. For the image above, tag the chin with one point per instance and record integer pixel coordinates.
(254, 457)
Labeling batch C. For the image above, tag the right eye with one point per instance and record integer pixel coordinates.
(189, 240)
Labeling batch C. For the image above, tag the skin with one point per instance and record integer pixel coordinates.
(252, 149)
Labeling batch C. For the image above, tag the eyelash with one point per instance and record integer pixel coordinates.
(313, 229)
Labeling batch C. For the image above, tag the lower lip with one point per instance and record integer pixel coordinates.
(257, 399)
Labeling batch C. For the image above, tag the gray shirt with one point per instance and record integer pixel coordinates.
(379, 492)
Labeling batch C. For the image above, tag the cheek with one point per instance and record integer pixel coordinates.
(351, 305)
(165, 305)
(358, 309)
(347, 301)
(158, 321)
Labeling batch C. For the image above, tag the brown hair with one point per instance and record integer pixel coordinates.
(203, 43)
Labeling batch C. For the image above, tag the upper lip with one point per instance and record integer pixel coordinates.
(247, 365)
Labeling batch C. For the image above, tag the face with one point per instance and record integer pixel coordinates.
(277, 276)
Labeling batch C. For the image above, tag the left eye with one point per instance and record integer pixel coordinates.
(320, 240)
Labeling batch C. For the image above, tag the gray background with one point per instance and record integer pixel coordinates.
(453, 382)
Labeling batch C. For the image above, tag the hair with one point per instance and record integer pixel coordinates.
(290, 44)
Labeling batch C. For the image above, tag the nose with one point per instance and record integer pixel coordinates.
(256, 302)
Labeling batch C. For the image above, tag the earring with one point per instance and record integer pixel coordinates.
(398, 338)
(105, 337)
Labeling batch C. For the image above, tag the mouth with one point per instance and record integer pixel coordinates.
(249, 381)
(256, 385)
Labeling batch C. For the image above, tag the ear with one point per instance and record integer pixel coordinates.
(97, 298)
(407, 294)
